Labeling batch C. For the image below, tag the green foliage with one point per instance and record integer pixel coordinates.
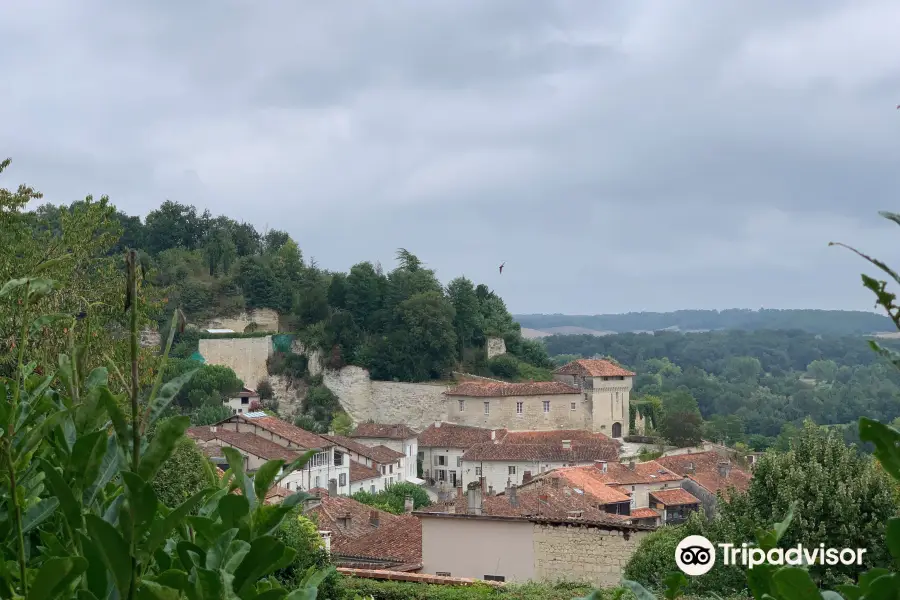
(210, 384)
(505, 366)
(320, 404)
(394, 590)
(78, 502)
(209, 414)
(301, 534)
(393, 498)
(342, 424)
(293, 366)
(264, 389)
(184, 474)
(681, 423)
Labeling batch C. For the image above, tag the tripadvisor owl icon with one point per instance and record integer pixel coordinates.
(695, 555)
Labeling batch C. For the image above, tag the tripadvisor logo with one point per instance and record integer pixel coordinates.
(696, 555)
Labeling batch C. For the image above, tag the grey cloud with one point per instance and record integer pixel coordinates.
(619, 156)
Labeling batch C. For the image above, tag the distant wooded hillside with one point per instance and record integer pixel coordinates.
(834, 322)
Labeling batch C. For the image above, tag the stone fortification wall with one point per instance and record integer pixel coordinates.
(414, 404)
(246, 356)
(266, 319)
(495, 346)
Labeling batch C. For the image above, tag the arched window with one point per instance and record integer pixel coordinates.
(617, 430)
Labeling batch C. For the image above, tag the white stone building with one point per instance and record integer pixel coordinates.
(245, 401)
(383, 466)
(441, 447)
(328, 468)
(397, 437)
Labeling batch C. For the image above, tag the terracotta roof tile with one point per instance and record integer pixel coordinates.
(245, 441)
(582, 479)
(448, 435)
(644, 513)
(593, 367)
(301, 437)
(555, 436)
(360, 472)
(488, 389)
(616, 476)
(579, 451)
(706, 471)
(674, 497)
(385, 455)
(395, 537)
(380, 454)
(380, 430)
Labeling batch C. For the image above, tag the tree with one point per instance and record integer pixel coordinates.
(300, 533)
(210, 384)
(681, 421)
(422, 344)
(823, 371)
(467, 319)
(173, 225)
(342, 424)
(184, 474)
(843, 499)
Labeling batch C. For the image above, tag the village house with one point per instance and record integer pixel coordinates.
(707, 474)
(328, 466)
(495, 547)
(518, 456)
(441, 447)
(674, 506)
(385, 463)
(363, 537)
(397, 437)
(245, 401)
(589, 394)
(635, 480)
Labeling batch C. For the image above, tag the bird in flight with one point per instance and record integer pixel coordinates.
(501, 268)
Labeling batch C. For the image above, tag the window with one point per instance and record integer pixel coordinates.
(459, 461)
(574, 406)
(234, 411)
(240, 410)
(487, 408)
(342, 479)
(442, 461)
(494, 578)
(392, 468)
(520, 408)
(383, 472)
(245, 400)
(317, 481)
(477, 471)
(442, 475)
(462, 406)
(372, 489)
(546, 406)
(338, 459)
(512, 470)
(320, 459)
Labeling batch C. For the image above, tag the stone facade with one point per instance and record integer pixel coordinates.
(246, 356)
(497, 473)
(266, 319)
(503, 412)
(583, 553)
(414, 404)
(495, 346)
(606, 401)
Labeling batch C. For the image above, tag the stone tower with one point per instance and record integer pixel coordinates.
(607, 393)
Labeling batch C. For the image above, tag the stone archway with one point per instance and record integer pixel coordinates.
(617, 430)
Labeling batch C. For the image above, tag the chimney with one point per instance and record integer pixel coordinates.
(493, 434)
(481, 483)
(459, 492)
(437, 424)
(332, 487)
(213, 428)
(601, 464)
(631, 465)
(373, 518)
(490, 490)
(474, 504)
(526, 477)
(408, 503)
(567, 444)
(724, 468)
(513, 499)
(689, 469)
(326, 537)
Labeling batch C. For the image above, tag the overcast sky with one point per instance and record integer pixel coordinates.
(619, 156)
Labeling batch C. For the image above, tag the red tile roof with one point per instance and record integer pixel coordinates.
(301, 437)
(579, 451)
(360, 472)
(555, 436)
(386, 431)
(582, 479)
(448, 435)
(488, 389)
(617, 475)
(706, 471)
(644, 513)
(674, 497)
(380, 454)
(395, 538)
(246, 441)
(593, 367)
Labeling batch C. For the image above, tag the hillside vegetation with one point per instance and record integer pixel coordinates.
(752, 387)
(835, 322)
